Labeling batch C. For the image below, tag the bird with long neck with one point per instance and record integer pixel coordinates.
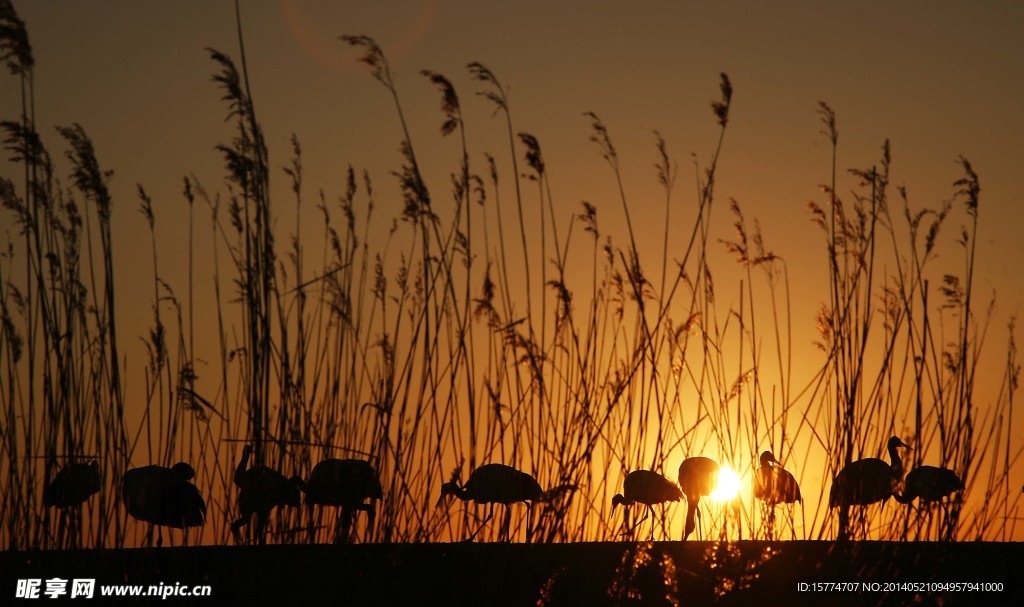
(698, 477)
(866, 482)
(260, 490)
(647, 488)
(497, 484)
(774, 485)
(347, 483)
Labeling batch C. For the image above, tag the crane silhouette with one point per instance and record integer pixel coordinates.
(930, 483)
(697, 478)
(866, 481)
(260, 490)
(497, 484)
(163, 497)
(774, 485)
(72, 485)
(344, 483)
(647, 488)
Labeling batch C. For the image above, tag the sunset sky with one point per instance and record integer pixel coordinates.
(937, 78)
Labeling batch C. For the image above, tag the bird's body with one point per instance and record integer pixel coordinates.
(346, 483)
(496, 484)
(647, 488)
(869, 480)
(930, 483)
(866, 482)
(260, 490)
(773, 484)
(163, 496)
(698, 477)
(72, 485)
(342, 482)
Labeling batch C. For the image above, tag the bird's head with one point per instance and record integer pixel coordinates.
(184, 470)
(449, 488)
(767, 459)
(292, 495)
(895, 442)
(618, 499)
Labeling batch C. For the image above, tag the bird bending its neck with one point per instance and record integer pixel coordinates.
(454, 489)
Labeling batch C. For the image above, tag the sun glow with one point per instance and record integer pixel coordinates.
(728, 487)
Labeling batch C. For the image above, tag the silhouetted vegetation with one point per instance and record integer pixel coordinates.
(446, 346)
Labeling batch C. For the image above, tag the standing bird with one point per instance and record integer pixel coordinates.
(497, 484)
(648, 488)
(260, 490)
(346, 483)
(697, 478)
(865, 482)
(163, 497)
(72, 485)
(774, 484)
(930, 483)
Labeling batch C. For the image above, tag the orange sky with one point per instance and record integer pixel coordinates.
(938, 78)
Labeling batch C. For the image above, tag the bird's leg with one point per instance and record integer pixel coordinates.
(371, 516)
(507, 523)
(235, 526)
(844, 522)
(309, 526)
(654, 520)
(529, 522)
(261, 525)
(642, 519)
(700, 522)
(489, 515)
(792, 524)
(344, 526)
(159, 537)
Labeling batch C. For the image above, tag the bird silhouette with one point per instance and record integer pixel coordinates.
(697, 478)
(260, 490)
(346, 483)
(163, 496)
(72, 485)
(647, 488)
(773, 484)
(865, 482)
(497, 484)
(930, 483)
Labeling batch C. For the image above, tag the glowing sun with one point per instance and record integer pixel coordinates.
(728, 487)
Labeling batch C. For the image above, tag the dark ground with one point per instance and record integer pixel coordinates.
(619, 573)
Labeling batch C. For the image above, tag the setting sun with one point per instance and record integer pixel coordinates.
(728, 487)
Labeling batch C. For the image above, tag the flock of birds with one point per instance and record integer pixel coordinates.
(166, 497)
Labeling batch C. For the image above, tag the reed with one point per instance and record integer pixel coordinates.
(441, 346)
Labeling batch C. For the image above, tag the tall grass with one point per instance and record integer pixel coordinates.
(442, 346)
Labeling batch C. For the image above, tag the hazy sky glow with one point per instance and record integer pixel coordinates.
(939, 79)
